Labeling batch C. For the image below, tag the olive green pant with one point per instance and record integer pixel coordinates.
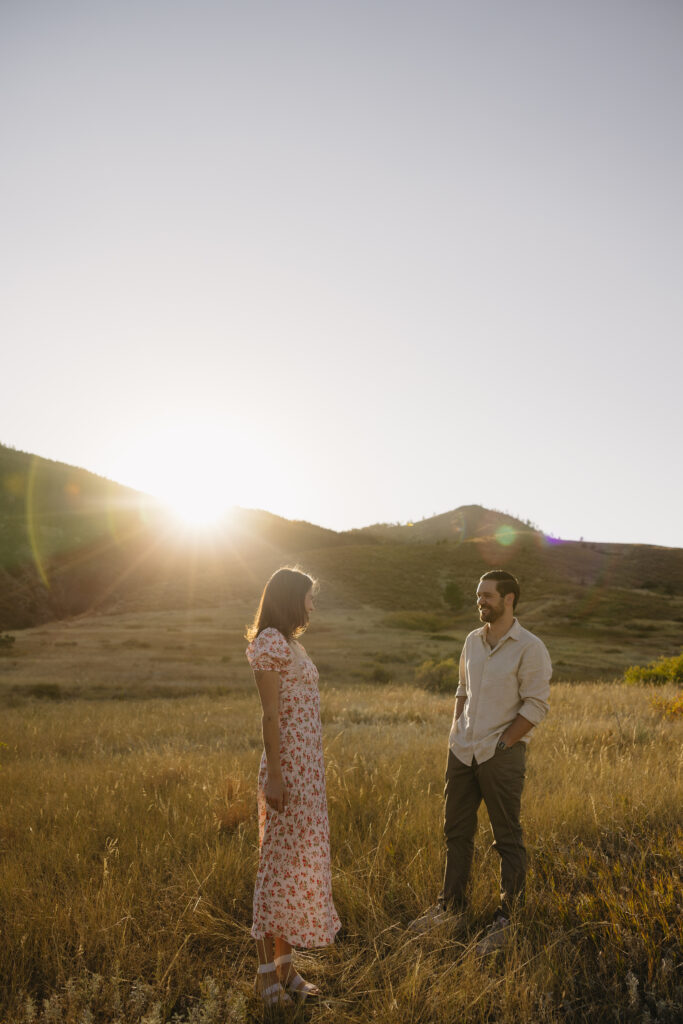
(499, 783)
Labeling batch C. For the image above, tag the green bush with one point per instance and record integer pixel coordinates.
(453, 595)
(380, 674)
(658, 672)
(438, 676)
(6, 643)
(44, 691)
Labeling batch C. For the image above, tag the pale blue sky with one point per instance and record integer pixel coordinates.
(374, 260)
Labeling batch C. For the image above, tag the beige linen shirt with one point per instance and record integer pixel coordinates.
(511, 679)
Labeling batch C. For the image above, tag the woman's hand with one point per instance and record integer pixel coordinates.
(275, 793)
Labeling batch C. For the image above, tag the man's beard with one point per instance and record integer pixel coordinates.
(491, 614)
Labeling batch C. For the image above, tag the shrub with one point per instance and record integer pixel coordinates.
(380, 674)
(658, 672)
(6, 643)
(453, 595)
(669, 708)
(438, 676)
(43, 691)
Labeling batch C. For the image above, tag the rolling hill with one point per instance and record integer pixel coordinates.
(464, 523)
(72, 543)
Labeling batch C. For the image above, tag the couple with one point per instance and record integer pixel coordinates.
(502, 694)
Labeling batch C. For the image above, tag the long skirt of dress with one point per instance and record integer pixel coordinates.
(293, 891)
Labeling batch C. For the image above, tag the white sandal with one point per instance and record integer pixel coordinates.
(275, 994)
(294, 984)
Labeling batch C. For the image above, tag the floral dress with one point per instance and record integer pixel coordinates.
(293, 892)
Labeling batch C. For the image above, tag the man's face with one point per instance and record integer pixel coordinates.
(489, 602)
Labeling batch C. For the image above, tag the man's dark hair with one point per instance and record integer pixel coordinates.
(506, 583)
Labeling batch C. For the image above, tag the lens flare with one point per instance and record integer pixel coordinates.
(506, 535)
(31, 523)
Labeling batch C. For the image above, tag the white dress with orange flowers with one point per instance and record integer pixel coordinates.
(293, 892)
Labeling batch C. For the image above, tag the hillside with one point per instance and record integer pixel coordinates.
(72, 543)
(464, 523)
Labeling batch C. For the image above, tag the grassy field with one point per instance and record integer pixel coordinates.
(170, 653)
(128, 842)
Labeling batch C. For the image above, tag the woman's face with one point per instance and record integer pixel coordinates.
(308, 602)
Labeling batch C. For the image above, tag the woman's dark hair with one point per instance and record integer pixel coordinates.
(282, 604)
(506, 583)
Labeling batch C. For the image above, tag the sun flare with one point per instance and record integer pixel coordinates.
(185, 468)
(196, 511)
(198, 502)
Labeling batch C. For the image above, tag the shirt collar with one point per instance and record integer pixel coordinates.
(514, 632)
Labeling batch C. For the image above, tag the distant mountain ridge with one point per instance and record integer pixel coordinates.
(72, 542)
(463, 523)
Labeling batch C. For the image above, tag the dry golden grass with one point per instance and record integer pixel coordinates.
(128, 850)
(201, 650)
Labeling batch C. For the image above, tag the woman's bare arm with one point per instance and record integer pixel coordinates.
(269, 691)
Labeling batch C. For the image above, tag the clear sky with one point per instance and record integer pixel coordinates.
(351, 262)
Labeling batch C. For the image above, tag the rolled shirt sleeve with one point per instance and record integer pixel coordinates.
(462, 676)
(535, 670)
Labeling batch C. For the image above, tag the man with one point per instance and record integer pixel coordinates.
(503, 691)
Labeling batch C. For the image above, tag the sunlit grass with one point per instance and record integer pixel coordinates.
(128, 852)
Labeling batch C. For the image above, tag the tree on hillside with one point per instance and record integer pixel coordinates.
(453, 595)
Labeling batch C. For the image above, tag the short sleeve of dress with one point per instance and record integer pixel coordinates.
(269, 652)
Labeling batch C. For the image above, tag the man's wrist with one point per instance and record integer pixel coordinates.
(501, 744)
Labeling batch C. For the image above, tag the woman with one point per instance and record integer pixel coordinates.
(293, 893)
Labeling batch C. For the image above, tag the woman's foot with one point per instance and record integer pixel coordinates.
(269, 988)
(291, 980)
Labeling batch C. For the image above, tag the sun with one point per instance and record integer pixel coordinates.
(195, 469)
(195, 511)
(198, 504)
(186, 467)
